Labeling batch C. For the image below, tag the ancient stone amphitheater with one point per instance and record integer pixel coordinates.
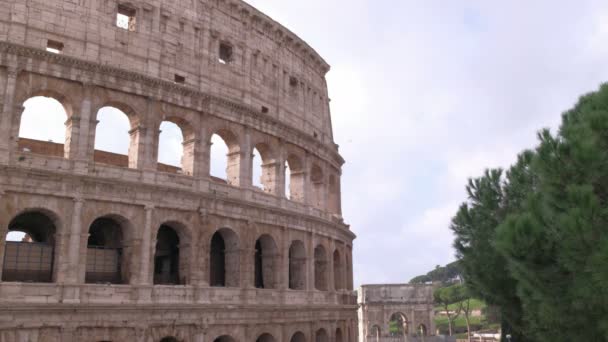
(124, 248)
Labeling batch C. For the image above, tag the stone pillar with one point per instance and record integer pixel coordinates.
(283, 264)
(81, 132)
(245, 164)
(203, 157)
(310, 273)
(331, 277)
(69, 271)
(145, 275)
(247, 267)
(306, 180)
(138, 156)
(6, 119)
(190, 154)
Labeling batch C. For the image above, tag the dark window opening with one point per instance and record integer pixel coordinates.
(29, 249)
(226, 53)
(265, 110)
(218, 261)
(293, 81)
(180, 79)
(166, 258)
(104, 252)
(54, 46)
(125, 18)
(259, 275)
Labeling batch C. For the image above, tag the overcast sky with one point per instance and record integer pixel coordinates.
(427, 93)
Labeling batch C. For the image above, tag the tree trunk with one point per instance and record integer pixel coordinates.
(466, 317)
(449, 324)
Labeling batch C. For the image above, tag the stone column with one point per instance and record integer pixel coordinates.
(70, 270)
(7, 115)
(283, 265)
(81, 132)
(244, 164)
(145, 275)
(247, 267)
(306, 179)
(138, 158)
(310, 276)
(3, 233)
(331, 277)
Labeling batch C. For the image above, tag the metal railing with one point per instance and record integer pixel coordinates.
(28, 262)
(103, 265)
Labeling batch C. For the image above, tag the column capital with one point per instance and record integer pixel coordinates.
(78, 200)
(149, 207)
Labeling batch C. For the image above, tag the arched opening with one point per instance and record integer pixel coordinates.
(321, 336)
(224, 338)
(29, 251)
(264, 170)
(170, 148)
(297, 266)
(294, 179)
(265, 262)
(375, 333)
(169, 339)
(106, 257)
(225, 158)
(333, 199)
(422, 330)
(339, 337)
(167, 257)
(224, 259)
(265, 338)
(115, 141)
(320, 268)
(338, 271)
(317, 187)
(43, 128)
(398, 325)
(298, 337)
(256, 169)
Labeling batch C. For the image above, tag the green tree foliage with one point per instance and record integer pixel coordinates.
(443, 275)
(534, 240)
(557, 245)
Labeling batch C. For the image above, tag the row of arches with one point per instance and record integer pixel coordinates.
(31, 249)
(45, 127)
(321, 335)
(398, 327)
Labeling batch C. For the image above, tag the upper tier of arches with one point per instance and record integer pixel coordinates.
(103, 127)
(223, 48)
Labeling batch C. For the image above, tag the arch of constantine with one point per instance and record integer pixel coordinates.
(121, 247)
(396, 313)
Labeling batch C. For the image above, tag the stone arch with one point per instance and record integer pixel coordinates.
(375, 332)
(321, 268)
(33, 258)
(172, 254)
(297, 266)
(169, 339)
(295, 179)
(266, 170)
(115, 155)
(422, 331)
(317, 189)
(109, 250)
(224, 255)
(232, 159)
(224, 338)
(266, 338)
(188, 146)
(266, 263)
(47, 132)
(339, 337)
(398, 324)
(321, 335)
(298, 336)
(338, 266)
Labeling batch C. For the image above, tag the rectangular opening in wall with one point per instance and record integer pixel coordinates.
(265, 110)
(179, 79)
(225, 53)
(293, 81)
(54, 46)
(125, 18)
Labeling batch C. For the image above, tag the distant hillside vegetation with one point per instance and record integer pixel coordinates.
(447, 274)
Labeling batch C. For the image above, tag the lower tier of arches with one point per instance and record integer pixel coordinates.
(33, 323)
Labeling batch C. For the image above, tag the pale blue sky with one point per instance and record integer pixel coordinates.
(428, 93)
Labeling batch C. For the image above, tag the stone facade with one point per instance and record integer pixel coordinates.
(409, 307)
(122, 248)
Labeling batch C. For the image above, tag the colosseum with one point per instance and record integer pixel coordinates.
(121, 247)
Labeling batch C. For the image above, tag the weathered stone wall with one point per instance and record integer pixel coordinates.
(271, 95)
(378, 303)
